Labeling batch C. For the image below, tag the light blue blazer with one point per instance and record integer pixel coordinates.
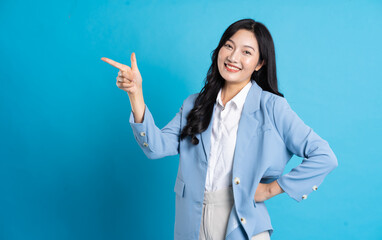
(269, 133)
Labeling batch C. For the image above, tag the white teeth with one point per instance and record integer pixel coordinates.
(233, 68)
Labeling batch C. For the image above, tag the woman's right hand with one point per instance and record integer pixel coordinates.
(129, 79)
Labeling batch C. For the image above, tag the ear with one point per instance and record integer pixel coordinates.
(259, 65)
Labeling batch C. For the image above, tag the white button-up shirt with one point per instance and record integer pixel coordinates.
(223, 140)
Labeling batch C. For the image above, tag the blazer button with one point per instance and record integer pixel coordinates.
(236, 180)
(143, 134)
(304, 196)
(243, 220)
(314, 187)
(145, 144)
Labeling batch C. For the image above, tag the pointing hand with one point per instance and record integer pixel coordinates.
(129, 79)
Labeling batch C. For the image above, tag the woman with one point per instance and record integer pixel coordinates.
(234, 139)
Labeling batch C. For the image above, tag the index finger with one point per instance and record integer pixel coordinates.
(118, 65)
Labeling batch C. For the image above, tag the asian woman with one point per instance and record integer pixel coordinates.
(234, 139)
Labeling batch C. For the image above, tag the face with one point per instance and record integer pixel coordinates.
(238, 57)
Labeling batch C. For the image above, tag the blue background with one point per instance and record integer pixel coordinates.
(69, 165)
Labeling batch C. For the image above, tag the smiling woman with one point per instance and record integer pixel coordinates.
(239, 55)
(247, 132)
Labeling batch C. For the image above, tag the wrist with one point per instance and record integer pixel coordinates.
(136, 100)
(137, 106)
(137, 96)
(274, 189)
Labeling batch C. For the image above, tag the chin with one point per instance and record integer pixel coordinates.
(231, 79)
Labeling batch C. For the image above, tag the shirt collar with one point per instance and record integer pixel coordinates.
(239, 98)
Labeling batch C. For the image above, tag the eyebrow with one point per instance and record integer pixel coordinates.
(244, 45)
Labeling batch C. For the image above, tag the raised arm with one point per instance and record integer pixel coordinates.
(155, 142)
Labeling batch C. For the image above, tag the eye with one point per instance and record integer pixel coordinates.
(247, 52)
(227, 45)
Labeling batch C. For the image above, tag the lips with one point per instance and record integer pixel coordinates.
(231, 68)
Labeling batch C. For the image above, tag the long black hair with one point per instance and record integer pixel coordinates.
(199, 117)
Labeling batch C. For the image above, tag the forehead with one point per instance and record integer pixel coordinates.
(244, 37)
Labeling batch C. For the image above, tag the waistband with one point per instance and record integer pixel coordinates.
(219, 196)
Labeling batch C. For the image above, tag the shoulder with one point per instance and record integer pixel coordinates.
(188, 104)
(272, 101)
(189, 101)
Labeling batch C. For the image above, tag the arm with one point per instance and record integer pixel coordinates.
(274, 189)
(302, 141)
(157, 143)
(137, 105)
(266, 191)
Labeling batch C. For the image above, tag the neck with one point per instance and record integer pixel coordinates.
(230, 90)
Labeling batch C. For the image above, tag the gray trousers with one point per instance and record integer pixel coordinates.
(217, 206)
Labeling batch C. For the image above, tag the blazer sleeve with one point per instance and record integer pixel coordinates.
(301, 140)
(157, 143)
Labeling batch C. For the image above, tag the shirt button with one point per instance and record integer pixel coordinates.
(236, 180)
(243, 220)
(143, 134)
(314, 187)
(145, 144)
(304, 196)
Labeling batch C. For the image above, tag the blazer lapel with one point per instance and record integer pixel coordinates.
(247, 124)
(206, 137)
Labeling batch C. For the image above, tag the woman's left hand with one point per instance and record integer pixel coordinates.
(262, 192)
(266, 191)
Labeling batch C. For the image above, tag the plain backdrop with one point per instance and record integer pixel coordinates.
(70, 167)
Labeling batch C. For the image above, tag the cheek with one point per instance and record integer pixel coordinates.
(222, 54)
(250, 64)
(221, 59)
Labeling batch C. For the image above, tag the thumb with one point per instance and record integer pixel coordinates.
(134, 65)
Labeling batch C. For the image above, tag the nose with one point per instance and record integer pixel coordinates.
(234, 56)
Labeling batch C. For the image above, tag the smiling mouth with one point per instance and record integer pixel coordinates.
(230, 68)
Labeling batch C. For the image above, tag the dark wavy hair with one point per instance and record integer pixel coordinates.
(199, 117)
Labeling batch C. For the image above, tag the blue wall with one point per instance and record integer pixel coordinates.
(69, 165)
